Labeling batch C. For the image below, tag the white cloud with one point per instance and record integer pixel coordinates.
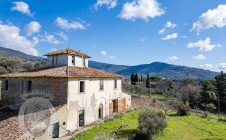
(10, 37)
(211, 18)
(214, 67)
(21, 7)
(65, 24)
(168, 25)
(33, 27)
(172, 58)
(203, 45)
(104, 53)
(141, 9)
(162, 31)
(222, 67)
(51, 39)
(112, 56)
(199, 57)
(62, 35)
(207, 66)
(109, 3)
(170, 37)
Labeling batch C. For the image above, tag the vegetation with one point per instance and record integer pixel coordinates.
(188, 91)
(147, 82)
(191, 127)
(16, 64)
(134, 78)
(151, 123)
(183, 110)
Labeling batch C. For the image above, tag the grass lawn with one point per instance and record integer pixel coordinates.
(190, 127)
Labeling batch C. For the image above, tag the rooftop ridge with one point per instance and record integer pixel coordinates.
(68, 51)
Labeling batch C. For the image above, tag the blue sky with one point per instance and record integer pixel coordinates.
(129, 32)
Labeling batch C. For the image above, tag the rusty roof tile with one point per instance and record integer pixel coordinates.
(63, 72)
(68, 51)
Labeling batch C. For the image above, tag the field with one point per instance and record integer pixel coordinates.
(191, 127)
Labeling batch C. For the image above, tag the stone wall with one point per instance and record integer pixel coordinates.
(55, 89)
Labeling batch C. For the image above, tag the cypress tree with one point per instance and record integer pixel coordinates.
(147, 81)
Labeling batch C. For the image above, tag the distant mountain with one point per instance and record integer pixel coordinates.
(170, 71)
(165, 70)
(156, 68)
(107, 67)
(10, 52)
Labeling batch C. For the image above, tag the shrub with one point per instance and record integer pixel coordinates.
(151, 122)
(205, 115)
(183, 110)
(211, 107)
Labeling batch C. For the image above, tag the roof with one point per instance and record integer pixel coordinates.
(63, 72)
(68, 51)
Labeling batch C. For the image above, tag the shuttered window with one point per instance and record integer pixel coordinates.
(115, 83)
(73, 60)
(101, 84)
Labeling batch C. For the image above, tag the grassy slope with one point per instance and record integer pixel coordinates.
(179, 128)
(193, 128)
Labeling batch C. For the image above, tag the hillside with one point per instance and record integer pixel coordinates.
(169, 71)
(156, 68)
(14, 53)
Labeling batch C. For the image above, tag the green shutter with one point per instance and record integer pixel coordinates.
(0, 90)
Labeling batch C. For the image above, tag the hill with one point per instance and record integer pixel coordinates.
(165, 70)
(169, 71)
(14, 53)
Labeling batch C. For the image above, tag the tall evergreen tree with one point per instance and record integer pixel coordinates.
(132, 78)
(221, 90)
(136, 77)
(208, 92)
(147, 81)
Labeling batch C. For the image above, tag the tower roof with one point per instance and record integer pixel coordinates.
(68, 51)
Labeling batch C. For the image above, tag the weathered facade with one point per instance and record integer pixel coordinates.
(85, 95)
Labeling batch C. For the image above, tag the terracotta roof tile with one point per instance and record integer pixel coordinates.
(68, 51)
(63, 72)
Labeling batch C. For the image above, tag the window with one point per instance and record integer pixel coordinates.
(115, 83)
(29, 86)
(73, 60)
(84, 62)
(55, 131)
(82, 86)
(115, 106)
(22, 86)
(101, 84)
(81, 118)
(56, 59)
(6, 84)
(52, 60)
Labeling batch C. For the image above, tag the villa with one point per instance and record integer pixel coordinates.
(87, 94)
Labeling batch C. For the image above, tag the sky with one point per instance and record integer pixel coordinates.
(125, 32)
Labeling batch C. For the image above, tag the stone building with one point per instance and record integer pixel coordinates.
(86, 94)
